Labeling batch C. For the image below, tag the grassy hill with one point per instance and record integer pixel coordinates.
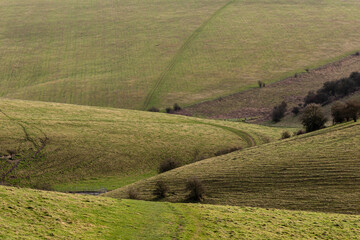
(136, 55)
(319, 171)
(29, 214)
(257, 103)
(108, 147)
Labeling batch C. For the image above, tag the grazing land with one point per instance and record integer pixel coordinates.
(137, 55)
(29, 214)
(109, 147)
(256, 104)
(84, 87)
(319, 171)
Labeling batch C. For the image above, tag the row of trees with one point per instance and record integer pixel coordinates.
(279, 112)
(313, 118)
(345, 111)
(173, 109)
(194, 187)
(333, 90)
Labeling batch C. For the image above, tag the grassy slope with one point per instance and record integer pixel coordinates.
(29, 214)
(258, 102)
(112, 147)
(104, 53)
(319, 171)
(130, 54)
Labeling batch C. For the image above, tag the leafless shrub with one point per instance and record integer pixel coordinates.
(285, 135)
(196, 189)
(133, 193)
(161, 189)
(168, 165)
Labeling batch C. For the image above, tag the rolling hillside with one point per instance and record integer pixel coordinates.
(108, 147)
(256, 104)
(29, 214)
(135, 55)
(319, 171)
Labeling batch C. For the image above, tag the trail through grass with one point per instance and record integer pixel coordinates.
(29, 214)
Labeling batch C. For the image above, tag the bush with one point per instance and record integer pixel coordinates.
(295, 110)
(334, 89)
(310, 98)
(355, 76)
(168, 165)
(226, 151)
(341, 111)
(43, 186)
(161, 189)
(169, 110)
(313, 118)
(319, 98)
(299, 132)
(345, 86)
(329, 87)
(352, 110)
(261, 84)
(177, 107)
(154, 109)
(278, 112)
(12, 153)
(285, 135)
(133, 193)
(338, 112)
(196, 189)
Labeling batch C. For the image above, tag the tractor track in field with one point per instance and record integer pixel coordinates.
(250, 141)
(179, 53)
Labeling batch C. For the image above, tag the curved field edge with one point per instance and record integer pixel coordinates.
(108, 147)
(319, 171)
(29, 214)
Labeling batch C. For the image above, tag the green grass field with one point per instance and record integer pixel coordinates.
(107, 147)
(29, 214)
(319, 171)
(128, 54)
(75, 73)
